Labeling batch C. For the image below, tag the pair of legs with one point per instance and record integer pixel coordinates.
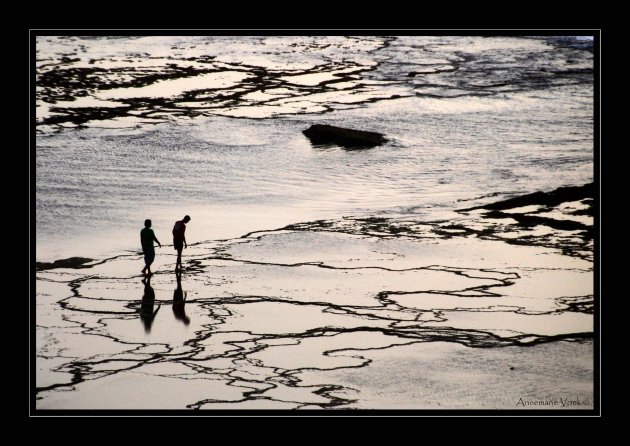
(149, 256)
(179, 246)
(178, 263)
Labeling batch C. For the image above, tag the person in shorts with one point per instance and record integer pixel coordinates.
(147, 237)
(179, 239)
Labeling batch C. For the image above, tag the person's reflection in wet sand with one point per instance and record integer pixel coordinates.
(147, 315)
(179, 300)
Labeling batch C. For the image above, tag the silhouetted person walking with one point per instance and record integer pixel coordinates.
(146, 240)
(179, 239)
(146, 307)
(179, 300)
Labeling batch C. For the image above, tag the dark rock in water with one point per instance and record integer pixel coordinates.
(72, 262)
(328, 134)
(553, 198)
(534, 220)
(577, 241)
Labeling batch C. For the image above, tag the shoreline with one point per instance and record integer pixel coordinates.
(561, 210)
(311, 315)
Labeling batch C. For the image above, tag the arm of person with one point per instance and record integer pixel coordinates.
(185, 244)
(158, 242)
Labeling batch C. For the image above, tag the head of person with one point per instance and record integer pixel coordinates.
(147, 223)
(186, 219)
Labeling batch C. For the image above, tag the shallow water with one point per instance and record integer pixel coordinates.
(311, 318)
(515, 116)
(317, 277)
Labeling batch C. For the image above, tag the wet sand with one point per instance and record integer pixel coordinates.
(479, 311)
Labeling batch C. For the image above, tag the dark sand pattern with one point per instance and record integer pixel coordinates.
(72, 262)
(327, 74)
(79, 92)
(359, 313)
(422, 273)
(120, 119)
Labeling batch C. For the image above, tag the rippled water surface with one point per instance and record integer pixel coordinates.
(423, 273)
(156, 127)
